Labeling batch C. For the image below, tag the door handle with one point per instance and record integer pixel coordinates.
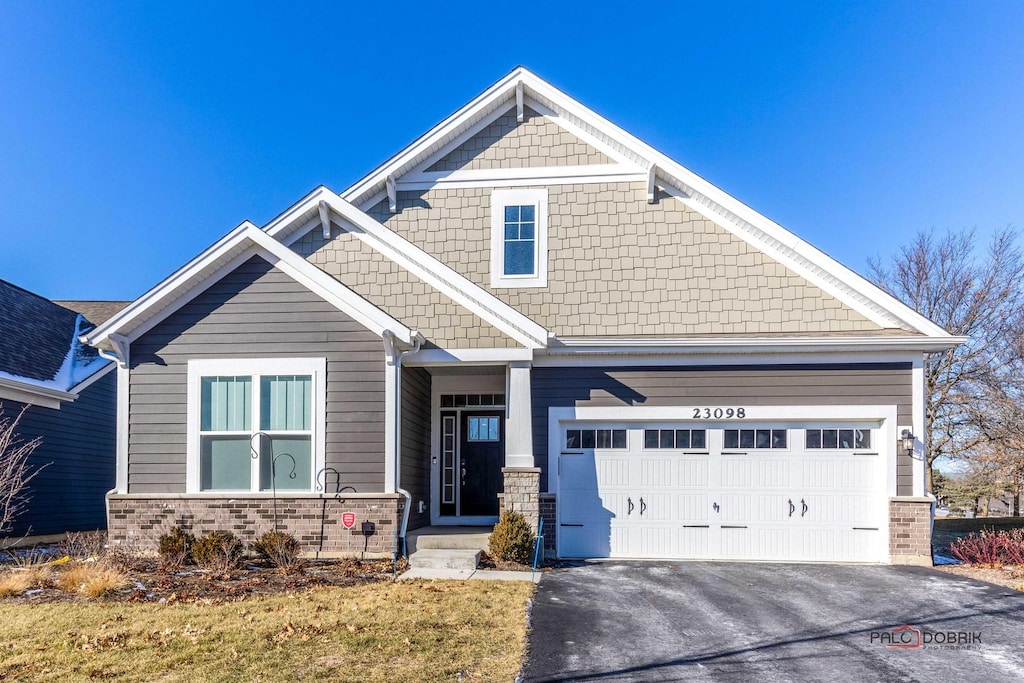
(463, 476)
(629, 501)
(804, 506)
(643, 507)
(792, 508)
(715, 505)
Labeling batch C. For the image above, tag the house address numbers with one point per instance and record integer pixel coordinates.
(718, 413)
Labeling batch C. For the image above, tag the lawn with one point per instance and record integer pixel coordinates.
(408, 631)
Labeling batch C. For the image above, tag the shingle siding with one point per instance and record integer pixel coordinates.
(256, 312)
(78, 450)
(506, 143)
(878, 384)
(401, 294)
(618, 266)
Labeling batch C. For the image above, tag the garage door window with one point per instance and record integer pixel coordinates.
(838, 438)
(695, 439)
(756, 438)
(595, 438)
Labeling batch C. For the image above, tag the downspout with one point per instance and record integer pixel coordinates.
(120, 358)
(394, 357)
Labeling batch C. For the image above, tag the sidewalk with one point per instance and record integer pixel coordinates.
(467, 574)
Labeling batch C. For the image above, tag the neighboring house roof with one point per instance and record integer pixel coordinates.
(96, 312)
(41, 357)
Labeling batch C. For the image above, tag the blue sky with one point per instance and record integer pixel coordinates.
(134, 135)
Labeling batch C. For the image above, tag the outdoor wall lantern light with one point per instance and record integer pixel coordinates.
(907, 440)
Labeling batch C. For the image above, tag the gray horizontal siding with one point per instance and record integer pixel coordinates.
(864, 384)
(78, 449)
(416, 442)
(256, 312)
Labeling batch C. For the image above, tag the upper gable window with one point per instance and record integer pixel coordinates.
(519, 231)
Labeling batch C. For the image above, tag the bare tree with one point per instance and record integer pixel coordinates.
(15, 470)
(979, 297)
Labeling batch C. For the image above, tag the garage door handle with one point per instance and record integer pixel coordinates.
(629, 502)
(804, 506)
(715, 505)
(792, 508)
(643, 507)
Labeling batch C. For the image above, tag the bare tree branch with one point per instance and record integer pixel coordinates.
(15, 470)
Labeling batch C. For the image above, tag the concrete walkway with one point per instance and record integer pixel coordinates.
(431, 573)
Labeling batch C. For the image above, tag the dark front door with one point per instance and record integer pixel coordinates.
(481, 451)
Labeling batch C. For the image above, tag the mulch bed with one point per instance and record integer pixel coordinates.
(148, 583)
(1009, 576)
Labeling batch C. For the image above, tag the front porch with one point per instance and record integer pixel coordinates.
(471, 454)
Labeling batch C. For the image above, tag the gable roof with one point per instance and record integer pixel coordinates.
(222, 257)
(522, 88)
(41, 356)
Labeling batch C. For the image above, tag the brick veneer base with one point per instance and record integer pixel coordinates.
(910, 530)
(142, 519)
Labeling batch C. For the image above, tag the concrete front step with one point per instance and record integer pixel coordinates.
(444, 558)
(448, 538)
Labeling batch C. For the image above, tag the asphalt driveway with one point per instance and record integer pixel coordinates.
(642, 621)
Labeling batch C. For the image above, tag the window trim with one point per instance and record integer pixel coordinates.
(255, 368)
(518, 197)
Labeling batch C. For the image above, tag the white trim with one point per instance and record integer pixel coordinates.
(593, 173)
(651, 357)
(918, 416)
(520, 182)
(43, 397)
(428, 357)
(538, 198)
(598, 346)
(255, 367)
(123, 407)
(519, 416)
(391, 401)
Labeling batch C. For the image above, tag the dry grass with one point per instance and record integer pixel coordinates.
(91, 579)
(409, 631)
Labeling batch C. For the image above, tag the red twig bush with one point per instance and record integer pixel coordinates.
(990, 548)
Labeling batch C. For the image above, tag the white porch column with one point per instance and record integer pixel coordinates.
(519, 425)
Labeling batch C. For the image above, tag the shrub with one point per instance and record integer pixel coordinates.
(218, 550)
(175, 548)
(512, 539)
(280, 549)
(80, 545)
(991, 548)
(126, 555)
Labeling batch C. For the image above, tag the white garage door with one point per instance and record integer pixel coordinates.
(749, 492)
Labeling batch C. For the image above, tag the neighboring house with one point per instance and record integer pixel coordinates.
(530, 308)
(68, 393)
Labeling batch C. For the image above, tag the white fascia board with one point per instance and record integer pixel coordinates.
(153, 300)
(753, 345)
(596, 127)
(441, 277)
(703, 359)
(499, 356)
(33, 394)
(444, 132)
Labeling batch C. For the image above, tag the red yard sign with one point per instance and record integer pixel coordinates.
(348, 519)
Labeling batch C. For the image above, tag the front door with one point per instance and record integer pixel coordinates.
(477, 470)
